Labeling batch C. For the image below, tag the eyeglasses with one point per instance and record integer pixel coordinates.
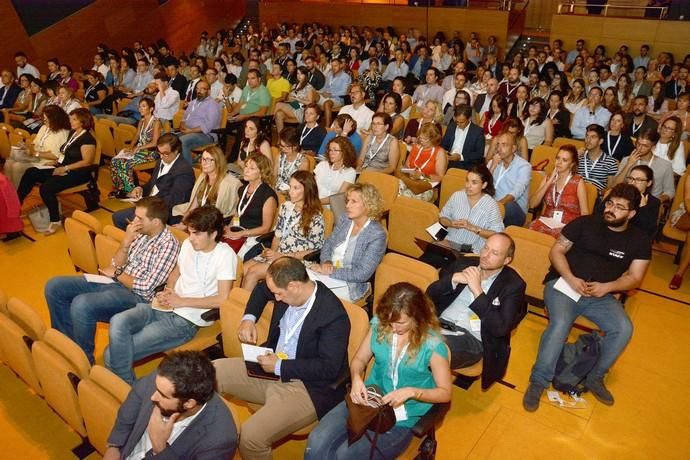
(667, 128)
(637, 180)
(208, 160)
(616, 206)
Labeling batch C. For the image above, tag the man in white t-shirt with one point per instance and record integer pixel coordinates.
(358, 110)
(201, 281)
(23, 66)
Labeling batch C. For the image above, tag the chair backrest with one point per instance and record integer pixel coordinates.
(123, 136)
(386, 184)
(531, 259)
(395, 268)
(592, 194)
(114, 232)
(544, 156)
(100, 397)
(177, 118)
(566, 140)
(4, 141)
(328, 223)
(180, 235)
(60, 364)
(231, 313)
(452, 181)
(81, 230)
(19, 330)
(108, 122)
(122, 103)
(106, 247)
(534, 183)
(105, 135)
(408, 219)
(359, 328)
(402, 149)
(3, 302)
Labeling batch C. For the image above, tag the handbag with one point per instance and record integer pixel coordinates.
(416, 186)
(376, 416)
(40, 218)
(21, 155)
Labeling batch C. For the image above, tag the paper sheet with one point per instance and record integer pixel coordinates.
(330, 283)
(99, 279)
(551, 222)
(433, 229)
(251, 352)
(562, 286)
(124, 155)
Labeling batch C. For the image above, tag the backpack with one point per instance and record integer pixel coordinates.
(576, 361)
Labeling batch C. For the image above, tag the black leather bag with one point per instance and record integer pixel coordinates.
(363, 418)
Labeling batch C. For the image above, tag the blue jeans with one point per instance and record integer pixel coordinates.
(514, 215)
(120, 217)
(606, 312)
(329, 440)
(141, 332)
(192, 141)
(118, 120)
(76, 306)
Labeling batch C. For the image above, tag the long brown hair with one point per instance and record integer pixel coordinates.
(675, 140)
(408, 299)
(221, 167)
(312, 204)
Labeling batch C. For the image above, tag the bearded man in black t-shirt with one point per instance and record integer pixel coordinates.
(595, 257)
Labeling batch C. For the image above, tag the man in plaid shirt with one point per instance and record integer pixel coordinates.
(143, 261)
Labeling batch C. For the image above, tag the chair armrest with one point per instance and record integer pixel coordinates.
(429, 420)
(266, 239)
(314, 256)
(212, 315)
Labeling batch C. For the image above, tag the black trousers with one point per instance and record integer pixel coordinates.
(50, 186)
(465, 349)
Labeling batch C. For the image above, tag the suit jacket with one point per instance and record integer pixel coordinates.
(562, 128)
(500, 311)
(478, 103)
(472, 150)
(645, 89)
(176, 186)
(179, 84)
(647, 124)
(12, 91)
(211, 435)
(422, 68)
(321, 357)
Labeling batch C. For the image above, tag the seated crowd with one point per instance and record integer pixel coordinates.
(307, 110)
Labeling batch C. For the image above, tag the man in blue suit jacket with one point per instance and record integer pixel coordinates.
(9, 90)
(464, 141)
(174, 413)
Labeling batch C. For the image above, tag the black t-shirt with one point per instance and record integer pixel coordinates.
(252, 215)
(600, 254)
(73, 150)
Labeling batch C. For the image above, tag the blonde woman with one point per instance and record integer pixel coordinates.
(431, 113)
(213, 187)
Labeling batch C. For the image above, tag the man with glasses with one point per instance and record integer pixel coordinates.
(172, 180)
(663, 186)
(215, 85)
(358, 109)
(596, 166)
(595, 257)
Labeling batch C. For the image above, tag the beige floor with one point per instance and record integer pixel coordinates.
(650, 420)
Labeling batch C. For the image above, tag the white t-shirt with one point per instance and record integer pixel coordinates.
(199, 276)
(329, 181)
(362, 115)
(678, 162)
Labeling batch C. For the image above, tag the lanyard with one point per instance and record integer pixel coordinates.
(145, 130)
(371, 155)
(303, 135)
(594, 165)
(240, 208)
(492, 123)
(558, 194)
(37, 101)
(298, 324)
(71, 140)
(396, 359)
(42, 139)
(636, 128)
(88, 91)
(431, 155)
(608, 143)
(510, 90)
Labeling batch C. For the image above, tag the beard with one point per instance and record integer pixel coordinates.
(167, 413)
(611, 221)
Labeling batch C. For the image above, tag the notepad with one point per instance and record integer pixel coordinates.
(252, 352)
(98, 279)
(563, 287)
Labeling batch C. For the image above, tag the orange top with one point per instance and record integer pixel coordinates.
(424, 159)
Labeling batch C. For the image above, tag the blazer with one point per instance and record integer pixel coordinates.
(10, 93)
(647, 124)
(321, 356)
(176, 186)
(370, 247)
(422, 68)
(472, 150)
(478, 103)
(500, 311)
(211, 435)
(645, 89)
(562, 128)
(179, 84)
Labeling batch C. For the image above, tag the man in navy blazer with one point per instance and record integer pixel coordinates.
(308, 334)
(9, 91)
(172, 180)
(464, 141)
(174, 413)
(482, 305)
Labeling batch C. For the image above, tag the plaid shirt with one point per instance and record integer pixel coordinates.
(150, 261)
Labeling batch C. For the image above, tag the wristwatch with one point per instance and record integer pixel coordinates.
(118, 271)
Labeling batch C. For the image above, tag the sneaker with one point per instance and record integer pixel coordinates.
(532, 396)
(599, 390)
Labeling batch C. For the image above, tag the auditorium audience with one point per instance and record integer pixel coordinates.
(591, 113)
(253, 142)
(292, 109)
(343, 126)
(538, 126)
(358, 109)
(618, 144)
(431, 113)
(289, 160)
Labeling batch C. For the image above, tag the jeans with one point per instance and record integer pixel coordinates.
(120, 217)
(514, 215)
(329, 440)
(76, 306)
(141, 332)
(606, 312)
(192, 141)
(118, 120)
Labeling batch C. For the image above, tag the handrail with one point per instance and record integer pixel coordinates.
(502, 5)
(570, 6)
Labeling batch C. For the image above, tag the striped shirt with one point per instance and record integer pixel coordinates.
(484, 214)
(597, 172)
(150, 261)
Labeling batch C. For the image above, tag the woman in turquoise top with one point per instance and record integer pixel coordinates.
(411, 367)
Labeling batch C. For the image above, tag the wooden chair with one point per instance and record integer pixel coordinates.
(123, 136)
(386, 184)
(452, 181)
(81, 230)
(18, 136)
(397, 267)
(544, 157)
(531, 260)
(104, 135)
(566, 140)
(408, 219)
(669, 231)
(4, 140)
(592, 194)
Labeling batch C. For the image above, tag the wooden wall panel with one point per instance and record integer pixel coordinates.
(611, 32)
(448, 20)
(115, 22)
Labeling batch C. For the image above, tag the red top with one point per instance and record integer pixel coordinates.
(567, 202)
(424, 159)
